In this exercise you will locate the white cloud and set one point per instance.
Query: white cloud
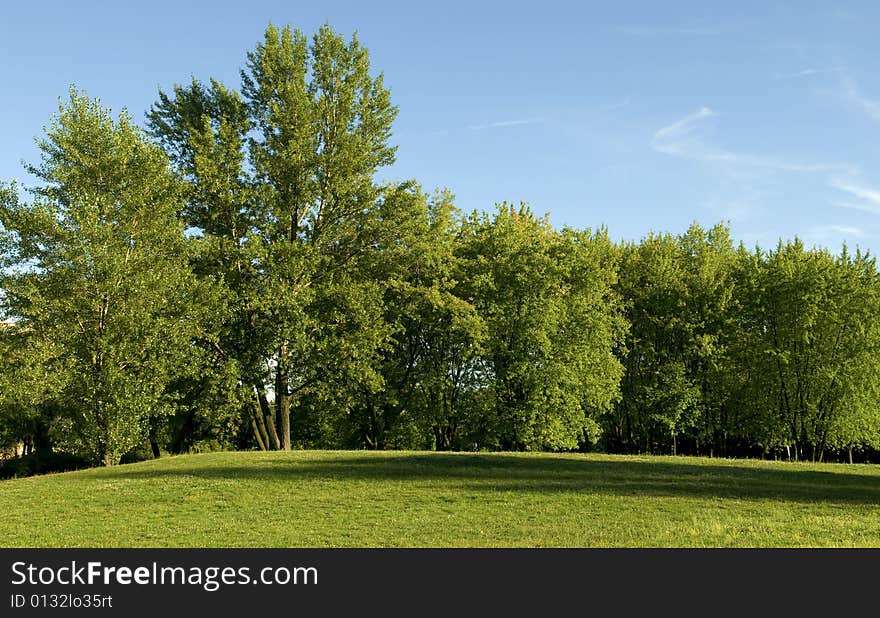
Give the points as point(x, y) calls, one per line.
point(686, 138)
point(669, 139)
point(810, 71)
point(622, 103)
point(505, 123)
point(848, 230)
point(871, 208)
point(853, 95)
point(870, 196)
point(825, 231)
point(859, 190)
point(813, 71)
point(672, 31)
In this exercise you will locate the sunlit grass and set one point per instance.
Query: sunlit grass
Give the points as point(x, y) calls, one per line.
point(394, 499)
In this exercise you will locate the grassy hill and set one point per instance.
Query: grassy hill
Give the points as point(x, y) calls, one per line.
point(331, 498)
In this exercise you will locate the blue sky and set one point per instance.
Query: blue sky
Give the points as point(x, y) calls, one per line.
point(636, 115)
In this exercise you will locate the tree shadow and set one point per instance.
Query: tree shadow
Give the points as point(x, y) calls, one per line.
point(548, 474)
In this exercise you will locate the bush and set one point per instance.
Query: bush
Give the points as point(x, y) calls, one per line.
point(41, 462)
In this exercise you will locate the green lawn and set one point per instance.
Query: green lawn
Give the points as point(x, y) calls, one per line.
point(367, 499)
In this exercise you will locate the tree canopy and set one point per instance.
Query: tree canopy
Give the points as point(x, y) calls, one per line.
point(235, 275)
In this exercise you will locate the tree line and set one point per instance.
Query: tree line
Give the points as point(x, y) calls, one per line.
point(233, 276)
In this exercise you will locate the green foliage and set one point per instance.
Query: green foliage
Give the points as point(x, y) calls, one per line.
point(435, 365)
point(26, 382)
point(732, 351)
point(813, 348)
point(678, 296)
point(549, 310)
point(245, 282)
point(281, 191)
point(41, 462)
point(99, 278)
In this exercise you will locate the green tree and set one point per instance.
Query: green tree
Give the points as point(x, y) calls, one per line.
point(26, 382)
point(204, 129)
point(291, 162)
point(813, 350)
point(431, 369)
point(550, 312)
point(678, 293)
point(99, 277)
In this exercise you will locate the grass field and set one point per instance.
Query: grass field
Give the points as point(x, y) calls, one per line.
point(367, 499)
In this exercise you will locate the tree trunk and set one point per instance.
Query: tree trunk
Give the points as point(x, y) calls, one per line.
point(282, 398)
point(849, 452)
point(154, 439)
point(282, 401)
point(260, 442)
point(154, 446)
point(269, 423)
point(259, 426)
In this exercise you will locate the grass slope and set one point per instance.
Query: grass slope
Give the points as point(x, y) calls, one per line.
point(367, 499)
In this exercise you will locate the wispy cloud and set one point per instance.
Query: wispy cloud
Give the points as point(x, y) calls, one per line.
point(870, 208)
point(847, 229)
point(505, 123)
point(869, 195)
point(675, 139)
point(853, 95)
point(667, 31)
point(810, 71)
point(688, 138)
point(825, 231)
point(611, 106)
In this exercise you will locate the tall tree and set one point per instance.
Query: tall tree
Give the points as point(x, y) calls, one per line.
point(430, 363)
point(550, 313)
point(813, 350)
point(313, 126)
point(99, 274)
point(204, 129)
point(678, 294)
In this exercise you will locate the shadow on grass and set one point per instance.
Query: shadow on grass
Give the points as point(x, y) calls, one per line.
point(499, 473)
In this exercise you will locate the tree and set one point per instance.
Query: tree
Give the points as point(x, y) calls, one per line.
point(813, 349)
point(550, 312)
point(312, 125)
point(25, 384)
point(99, 278)
point(678, 294)
point(431, 367)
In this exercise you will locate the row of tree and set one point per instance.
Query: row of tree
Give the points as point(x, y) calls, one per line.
point(234, 277)
point(738, 352)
